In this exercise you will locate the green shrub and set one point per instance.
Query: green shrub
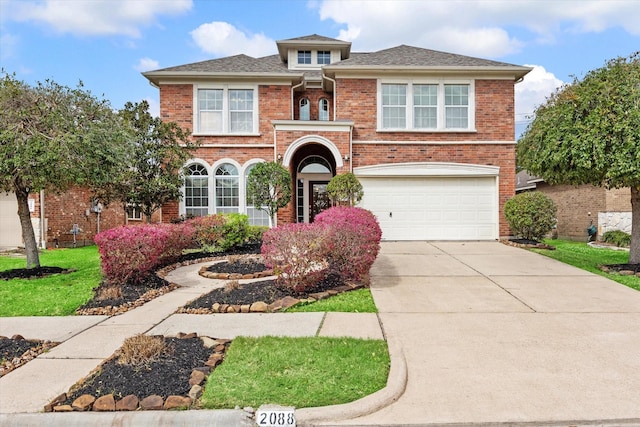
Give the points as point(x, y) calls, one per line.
point(234, 231)
point(531, 215)
point(255, 233)
point(345, 189)
point(617, 237)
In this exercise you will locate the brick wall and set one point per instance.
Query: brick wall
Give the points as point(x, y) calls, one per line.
point(577, 207)
point(618, 200)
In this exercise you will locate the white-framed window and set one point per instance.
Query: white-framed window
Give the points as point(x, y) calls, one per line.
point(256, 215)
point(305, 109)
point(225, 109)
point(323, 109)
point(227, 188)
point(413, 105)
point(304, 57)
point(196, 191)
point(134, 213)
point(324, 57)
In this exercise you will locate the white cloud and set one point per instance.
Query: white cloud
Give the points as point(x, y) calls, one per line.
point(533, 91)
point(478, 28)
point(154, 106)
point(223, 39)
point(146, 64)
point(95, 17)
point(8, 44)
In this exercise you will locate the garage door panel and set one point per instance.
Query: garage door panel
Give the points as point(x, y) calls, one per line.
point(433, 208)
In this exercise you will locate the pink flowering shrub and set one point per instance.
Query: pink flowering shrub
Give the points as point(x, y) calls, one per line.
point(297, 254)
point(131, 253)
point(209, 230)
point(352, 242)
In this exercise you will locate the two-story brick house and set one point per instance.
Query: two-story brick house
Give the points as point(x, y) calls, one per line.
point(430, 135)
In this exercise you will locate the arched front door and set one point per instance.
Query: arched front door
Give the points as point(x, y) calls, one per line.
point(312, 174)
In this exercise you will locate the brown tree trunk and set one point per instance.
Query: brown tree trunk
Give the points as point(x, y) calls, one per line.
point(634, 250)
point(28, 235)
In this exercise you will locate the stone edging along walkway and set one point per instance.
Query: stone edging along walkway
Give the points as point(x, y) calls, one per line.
point(108, 402)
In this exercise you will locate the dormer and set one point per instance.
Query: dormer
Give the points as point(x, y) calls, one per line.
point(312, 52)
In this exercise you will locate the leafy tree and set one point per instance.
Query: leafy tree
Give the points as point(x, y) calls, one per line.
point(53, 137)
point(345, 188)
point(159, 152)
point(588, 132)
point(269, 187)
point(531, 215)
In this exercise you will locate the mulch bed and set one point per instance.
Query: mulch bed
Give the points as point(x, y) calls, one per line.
point(32, 273)
point(622, 269)
point(16, 351)
point(527, 243)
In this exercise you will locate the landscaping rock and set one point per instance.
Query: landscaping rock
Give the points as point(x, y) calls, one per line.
point(195, 392)
point(150, 403)
point(196, 378)
point(63, 408)
point(128, 403)
point(83, 403)
point(626, 273)
point(209, 342)
point(259, 307)
point(175, 402)
point(105, 403)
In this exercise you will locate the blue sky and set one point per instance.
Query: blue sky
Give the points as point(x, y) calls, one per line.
point(108, 43)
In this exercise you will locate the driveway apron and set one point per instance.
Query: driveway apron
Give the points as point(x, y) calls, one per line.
point(497, 334)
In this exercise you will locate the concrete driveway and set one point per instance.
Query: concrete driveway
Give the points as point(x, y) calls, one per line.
point(496, 334)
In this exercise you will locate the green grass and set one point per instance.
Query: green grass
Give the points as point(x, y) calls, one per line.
point(583, 256)
point(57, 295)
point(358, 301)
point(299, 372)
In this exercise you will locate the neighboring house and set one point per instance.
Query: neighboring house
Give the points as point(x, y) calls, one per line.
point(55, 219)
point(430, 135)
point(582, 205)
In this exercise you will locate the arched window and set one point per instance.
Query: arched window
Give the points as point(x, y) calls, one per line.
point(196, 191)
point(227, 188)
point(305, 113)
point(256, 216)
point(314, 164)
point(323, 109)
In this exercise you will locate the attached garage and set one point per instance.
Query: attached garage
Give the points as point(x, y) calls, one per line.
point(10, 230)
point(432, 201)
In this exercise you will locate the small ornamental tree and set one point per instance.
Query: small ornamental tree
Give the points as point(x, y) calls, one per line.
point(588, 132)
point(530, 215)
point(345, 189)
point(269, 188)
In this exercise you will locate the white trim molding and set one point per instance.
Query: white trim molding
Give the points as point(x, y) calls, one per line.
point(312, 139)
point(426, 169)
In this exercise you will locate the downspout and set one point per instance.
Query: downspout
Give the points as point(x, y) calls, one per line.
point(43, 232)
point(335, 88)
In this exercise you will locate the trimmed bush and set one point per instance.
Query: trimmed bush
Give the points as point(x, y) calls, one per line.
point(208, 231)
point(297, 254)
point(531, 215)
point(255, 233)
point(352, 240)
point(345, 189)
point(234, 231)
point(617, 237)
point(129, 254)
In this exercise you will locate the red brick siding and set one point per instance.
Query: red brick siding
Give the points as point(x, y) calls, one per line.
point(314, 96)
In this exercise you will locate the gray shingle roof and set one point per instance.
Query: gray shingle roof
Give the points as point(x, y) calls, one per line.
point(234, 64)
point(313, 37)
point(410, 56)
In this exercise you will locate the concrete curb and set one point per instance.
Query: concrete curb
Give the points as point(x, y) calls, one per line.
point(396, 384)
point(217, 418)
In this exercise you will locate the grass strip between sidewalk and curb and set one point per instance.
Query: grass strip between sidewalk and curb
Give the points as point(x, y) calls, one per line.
point(358, 301)
point(588, 258)
point(299, 372)
point(56, 295)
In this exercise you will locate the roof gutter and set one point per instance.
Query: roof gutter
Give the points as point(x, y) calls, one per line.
point(335, 88)
point(293, 88)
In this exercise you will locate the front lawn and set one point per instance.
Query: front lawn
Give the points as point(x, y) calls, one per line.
point(57, 295)
point(583, 256)
point(299, 372)
point(358, 301)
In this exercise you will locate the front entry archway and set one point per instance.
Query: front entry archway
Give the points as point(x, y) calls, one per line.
point(313, 168)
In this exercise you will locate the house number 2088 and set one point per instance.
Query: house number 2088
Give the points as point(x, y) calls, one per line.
point(276, 418)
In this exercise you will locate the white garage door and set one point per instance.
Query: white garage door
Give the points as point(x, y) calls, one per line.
point(433, 208)
point(10, 231)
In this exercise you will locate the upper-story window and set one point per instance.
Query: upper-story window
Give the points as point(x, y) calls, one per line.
point(324, 57)
point(225, 109)
point(305, 109)
point(304, 57)
point(323, 109)
point(414, 105)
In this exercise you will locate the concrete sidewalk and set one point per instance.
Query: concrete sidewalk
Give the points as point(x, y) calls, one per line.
point(494, 334)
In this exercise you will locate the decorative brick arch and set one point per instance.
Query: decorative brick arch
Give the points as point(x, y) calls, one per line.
point(312, 139)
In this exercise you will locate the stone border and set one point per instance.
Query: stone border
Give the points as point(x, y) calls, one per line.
point(39, 347)
point(527, 246)
point(263, 307)
point(108, 403)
